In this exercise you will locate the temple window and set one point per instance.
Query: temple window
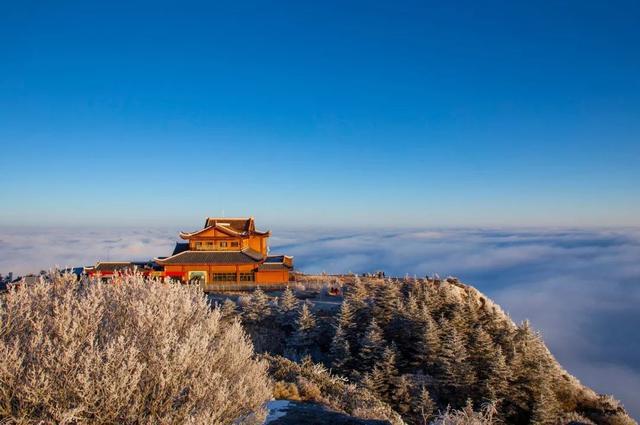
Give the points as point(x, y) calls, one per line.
point(247, 277)
point(224, 277)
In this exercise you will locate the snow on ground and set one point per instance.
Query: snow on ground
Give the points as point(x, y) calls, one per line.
point(277, 409)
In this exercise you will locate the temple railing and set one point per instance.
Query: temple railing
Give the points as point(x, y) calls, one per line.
point(242, 286)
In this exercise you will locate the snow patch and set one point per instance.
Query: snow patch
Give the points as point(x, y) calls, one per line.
point(277, 409)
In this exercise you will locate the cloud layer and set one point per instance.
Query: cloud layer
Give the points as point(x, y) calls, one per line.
point(581, 288)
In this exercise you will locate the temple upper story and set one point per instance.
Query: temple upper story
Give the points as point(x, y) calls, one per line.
point(227, 234)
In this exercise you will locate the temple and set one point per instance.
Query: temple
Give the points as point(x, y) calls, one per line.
point(226, 252)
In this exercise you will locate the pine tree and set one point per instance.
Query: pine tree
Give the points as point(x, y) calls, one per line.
point(371, 346)
point(257, 308)
point(373, 381)
point(427, 343)
point(422, 407)
point(287, 310)
point(455, 373)
point(531, 368)
point(387, 369)
point(545, 408)
point(411, 307)
point(304, 338)
point(402, 400)
point(357, 293)
point(498, 376)
point(229, 309)
point(347, 321)
point(470, 310)
point(359, 298)
point(386, 302)
point(489, 363)
point(288, 301)
point(340, 351)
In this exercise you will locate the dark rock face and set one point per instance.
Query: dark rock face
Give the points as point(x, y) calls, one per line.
point(296, 413)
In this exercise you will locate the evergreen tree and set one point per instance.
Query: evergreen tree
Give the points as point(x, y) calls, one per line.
point(373, 381)
point(347, 321)
point(340, 352)
point(288, 301)
point(371, 346)
point(531, 368)
point(357, 293)
point(545, 408)
point(427, 343)
point(402, 400)
point(359, 299)
point(228, 310)
point(386, 369)
point(423, 407)
point(481, 354)
point(386, 302)
point(411, 307)
point(497, 378)
point(304, 338)
point(470, 310)
point(456, 376)
point(257, 308)
point(288, 310)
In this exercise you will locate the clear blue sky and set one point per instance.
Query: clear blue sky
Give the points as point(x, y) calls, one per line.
point(338, 113)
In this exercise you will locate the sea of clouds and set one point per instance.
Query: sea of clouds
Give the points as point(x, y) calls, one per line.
point(580, 288)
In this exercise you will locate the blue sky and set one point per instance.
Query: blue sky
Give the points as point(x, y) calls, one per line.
point(333, 113)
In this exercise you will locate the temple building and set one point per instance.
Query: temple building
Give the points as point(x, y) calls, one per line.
point(226, 251)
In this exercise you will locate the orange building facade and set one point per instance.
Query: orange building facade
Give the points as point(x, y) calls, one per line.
point(226, 252)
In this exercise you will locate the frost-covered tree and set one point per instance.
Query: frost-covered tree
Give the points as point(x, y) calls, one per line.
point(422, 407)
point(229, 309)
point(347, 322)
point(304, 337)
point(401, 395)
point(386, 302)
point(371, 346)
point(386, 371)
point(426, 345)
point(288, 302)
point(531, 372)
point(340, 352)
point(545, 408)
point(288, 306)
point(257, 308)
point(492, 373)
point(455, 373)
point(134, 351)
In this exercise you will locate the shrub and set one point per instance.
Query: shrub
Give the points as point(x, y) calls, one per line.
point(286, 391)
point(310, 391)
point(132, 351)
point(467, 416)
point(331, 390)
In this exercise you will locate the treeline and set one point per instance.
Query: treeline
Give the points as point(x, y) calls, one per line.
point(425, 346)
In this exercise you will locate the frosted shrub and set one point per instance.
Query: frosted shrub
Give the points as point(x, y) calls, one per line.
point(132, 351)
point(466, 416)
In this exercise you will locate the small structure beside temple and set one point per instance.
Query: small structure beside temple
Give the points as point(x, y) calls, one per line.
point(227, 253)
